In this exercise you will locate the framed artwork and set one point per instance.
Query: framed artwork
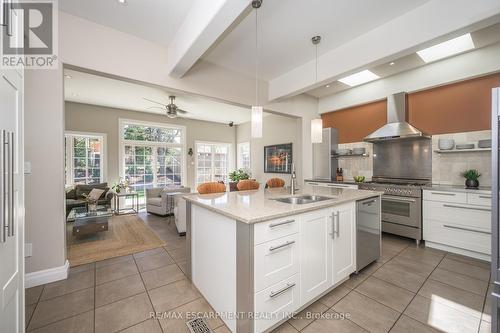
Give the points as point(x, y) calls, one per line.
point(278, 158)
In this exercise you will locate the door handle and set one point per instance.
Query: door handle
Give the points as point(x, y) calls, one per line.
point(2, 187)
point(337, 229)
point(332, 217)
point(11, 184)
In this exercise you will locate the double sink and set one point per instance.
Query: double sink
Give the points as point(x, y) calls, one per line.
point(303, 199)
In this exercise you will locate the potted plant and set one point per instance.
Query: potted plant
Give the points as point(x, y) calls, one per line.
point(237, 175)
point(471, 177)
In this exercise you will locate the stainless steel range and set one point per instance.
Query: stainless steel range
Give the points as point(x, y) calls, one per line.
point(402, 164)
point(401, 205)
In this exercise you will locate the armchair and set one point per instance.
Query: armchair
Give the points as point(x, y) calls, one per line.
point(159, 203)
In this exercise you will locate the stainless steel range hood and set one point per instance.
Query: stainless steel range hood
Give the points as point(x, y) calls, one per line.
point(397, 126)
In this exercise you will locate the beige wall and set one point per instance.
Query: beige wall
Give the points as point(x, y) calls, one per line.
point(275, 130)
point(90, 118)
point(44, 186)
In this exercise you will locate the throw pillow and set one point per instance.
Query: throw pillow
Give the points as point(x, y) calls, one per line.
point(95, 194)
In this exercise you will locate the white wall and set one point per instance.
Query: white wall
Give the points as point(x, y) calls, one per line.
point(100, 119)
point(275, 130)
point(477, 63)
point(44, 187)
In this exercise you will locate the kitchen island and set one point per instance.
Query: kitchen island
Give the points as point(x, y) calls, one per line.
point(260, 256)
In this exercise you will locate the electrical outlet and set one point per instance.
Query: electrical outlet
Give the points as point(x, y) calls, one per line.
point(28, 250)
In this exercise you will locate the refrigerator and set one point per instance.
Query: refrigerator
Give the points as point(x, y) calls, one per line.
point(324, 165)
point(495, 187)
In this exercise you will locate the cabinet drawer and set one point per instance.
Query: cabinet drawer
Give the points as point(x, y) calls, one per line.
point(266, 231)
point(460, 214)
point(479, 199)
point(275, 261)
point(445, 196)
point(276, 303)
point(460, 236)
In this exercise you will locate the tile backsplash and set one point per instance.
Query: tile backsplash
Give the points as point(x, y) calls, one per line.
point(447, 168)
point(357, 165)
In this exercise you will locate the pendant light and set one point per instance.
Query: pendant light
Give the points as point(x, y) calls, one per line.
point(316, 124)
point(256, 109)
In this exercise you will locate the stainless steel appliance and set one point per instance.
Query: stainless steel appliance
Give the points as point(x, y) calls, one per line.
point(324, 166)
point(397, 126)
point(401, 205)
point(495, 209)
point(367, 232)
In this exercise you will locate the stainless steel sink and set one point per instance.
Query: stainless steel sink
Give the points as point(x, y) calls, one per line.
point(304, 199)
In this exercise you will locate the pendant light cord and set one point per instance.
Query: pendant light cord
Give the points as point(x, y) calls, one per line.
point(316, 63)
point(256, 60)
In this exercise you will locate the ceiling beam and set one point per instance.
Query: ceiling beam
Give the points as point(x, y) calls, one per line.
point(206, 22)
point(433, 21)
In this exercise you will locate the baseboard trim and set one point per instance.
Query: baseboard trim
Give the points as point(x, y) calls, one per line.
point(46, 276)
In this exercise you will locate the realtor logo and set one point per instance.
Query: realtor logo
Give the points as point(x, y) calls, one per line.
point(30, 34)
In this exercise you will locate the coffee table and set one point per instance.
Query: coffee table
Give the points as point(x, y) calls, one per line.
point(86, 223)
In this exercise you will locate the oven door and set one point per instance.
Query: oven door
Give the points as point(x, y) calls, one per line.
point(402, 210)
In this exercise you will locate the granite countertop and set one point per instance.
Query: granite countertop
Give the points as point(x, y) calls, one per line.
point(255, 206)
point(350, 182)
point(458, 188)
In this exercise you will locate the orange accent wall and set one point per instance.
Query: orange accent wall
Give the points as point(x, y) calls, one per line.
point(459, 107)
point(355, 123)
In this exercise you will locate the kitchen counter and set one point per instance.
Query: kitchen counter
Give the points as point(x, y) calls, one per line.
point(458, 188)
point(257, 206)
point(350, 182)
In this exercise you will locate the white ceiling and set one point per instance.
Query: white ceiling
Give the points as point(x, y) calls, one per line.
point(286, 28)
point(482, 38)
point(153, 20)
point(98, 90)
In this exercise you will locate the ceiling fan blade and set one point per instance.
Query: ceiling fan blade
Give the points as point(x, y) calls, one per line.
point(150, 100)
point(156, 107)
point(181, 111)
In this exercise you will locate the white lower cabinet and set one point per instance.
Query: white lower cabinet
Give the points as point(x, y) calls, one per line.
point(293, 270)
point(315, 253)
point(458, 222)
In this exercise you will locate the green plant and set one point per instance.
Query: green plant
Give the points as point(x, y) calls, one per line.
point(239, 174)
point(471, 174)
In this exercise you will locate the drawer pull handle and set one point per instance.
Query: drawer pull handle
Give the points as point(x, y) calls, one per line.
point(274, 225)
point(369, 202)
point(441, 193)
point(466, 229)
point(277, 247)
point(471, 208)
point(273, 294)
point(485, 196)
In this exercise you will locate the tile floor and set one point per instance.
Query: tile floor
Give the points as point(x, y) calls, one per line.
point(410, 289)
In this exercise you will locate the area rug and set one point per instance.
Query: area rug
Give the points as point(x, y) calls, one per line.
point(126, 234)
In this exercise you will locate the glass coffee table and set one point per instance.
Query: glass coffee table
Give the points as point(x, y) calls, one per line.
point(86, 223)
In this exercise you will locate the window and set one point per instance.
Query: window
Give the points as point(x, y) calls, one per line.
point(244, 155)
point(152, 155)
point(85, 159)
point(212, 162)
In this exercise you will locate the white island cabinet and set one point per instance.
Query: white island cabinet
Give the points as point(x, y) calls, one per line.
point(458, 220)
point(258, 261)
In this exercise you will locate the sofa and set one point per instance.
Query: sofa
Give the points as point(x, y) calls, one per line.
point(159, 203)
point(75, 196)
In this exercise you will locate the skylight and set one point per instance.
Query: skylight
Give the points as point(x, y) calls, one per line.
point(446, 49)
point(359, 78)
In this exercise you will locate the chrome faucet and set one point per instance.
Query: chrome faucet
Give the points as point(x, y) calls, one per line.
point(293, 181)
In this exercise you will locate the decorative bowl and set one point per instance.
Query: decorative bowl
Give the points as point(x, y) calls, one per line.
point(359, 179)
point(446, 144)
point(465, 146)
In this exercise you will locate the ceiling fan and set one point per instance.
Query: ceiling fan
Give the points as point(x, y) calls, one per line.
point(172, 110)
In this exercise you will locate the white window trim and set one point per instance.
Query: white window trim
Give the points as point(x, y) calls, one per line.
point(238, 156)
point(231, 159)
point(69, 154)
point(121, 144)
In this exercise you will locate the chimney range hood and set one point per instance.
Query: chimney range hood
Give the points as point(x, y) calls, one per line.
point(397, 126)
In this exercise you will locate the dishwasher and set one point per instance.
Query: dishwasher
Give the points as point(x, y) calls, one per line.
point(368, 232)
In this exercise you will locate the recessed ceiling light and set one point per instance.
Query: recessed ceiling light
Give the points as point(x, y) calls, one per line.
point(392, 63)
point(359, 78)
point(67, 76)
point(446, 49)
point(328, 86)
point(122, 2)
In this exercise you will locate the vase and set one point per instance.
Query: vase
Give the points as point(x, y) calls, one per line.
point(233, 186)
point(472, 183)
